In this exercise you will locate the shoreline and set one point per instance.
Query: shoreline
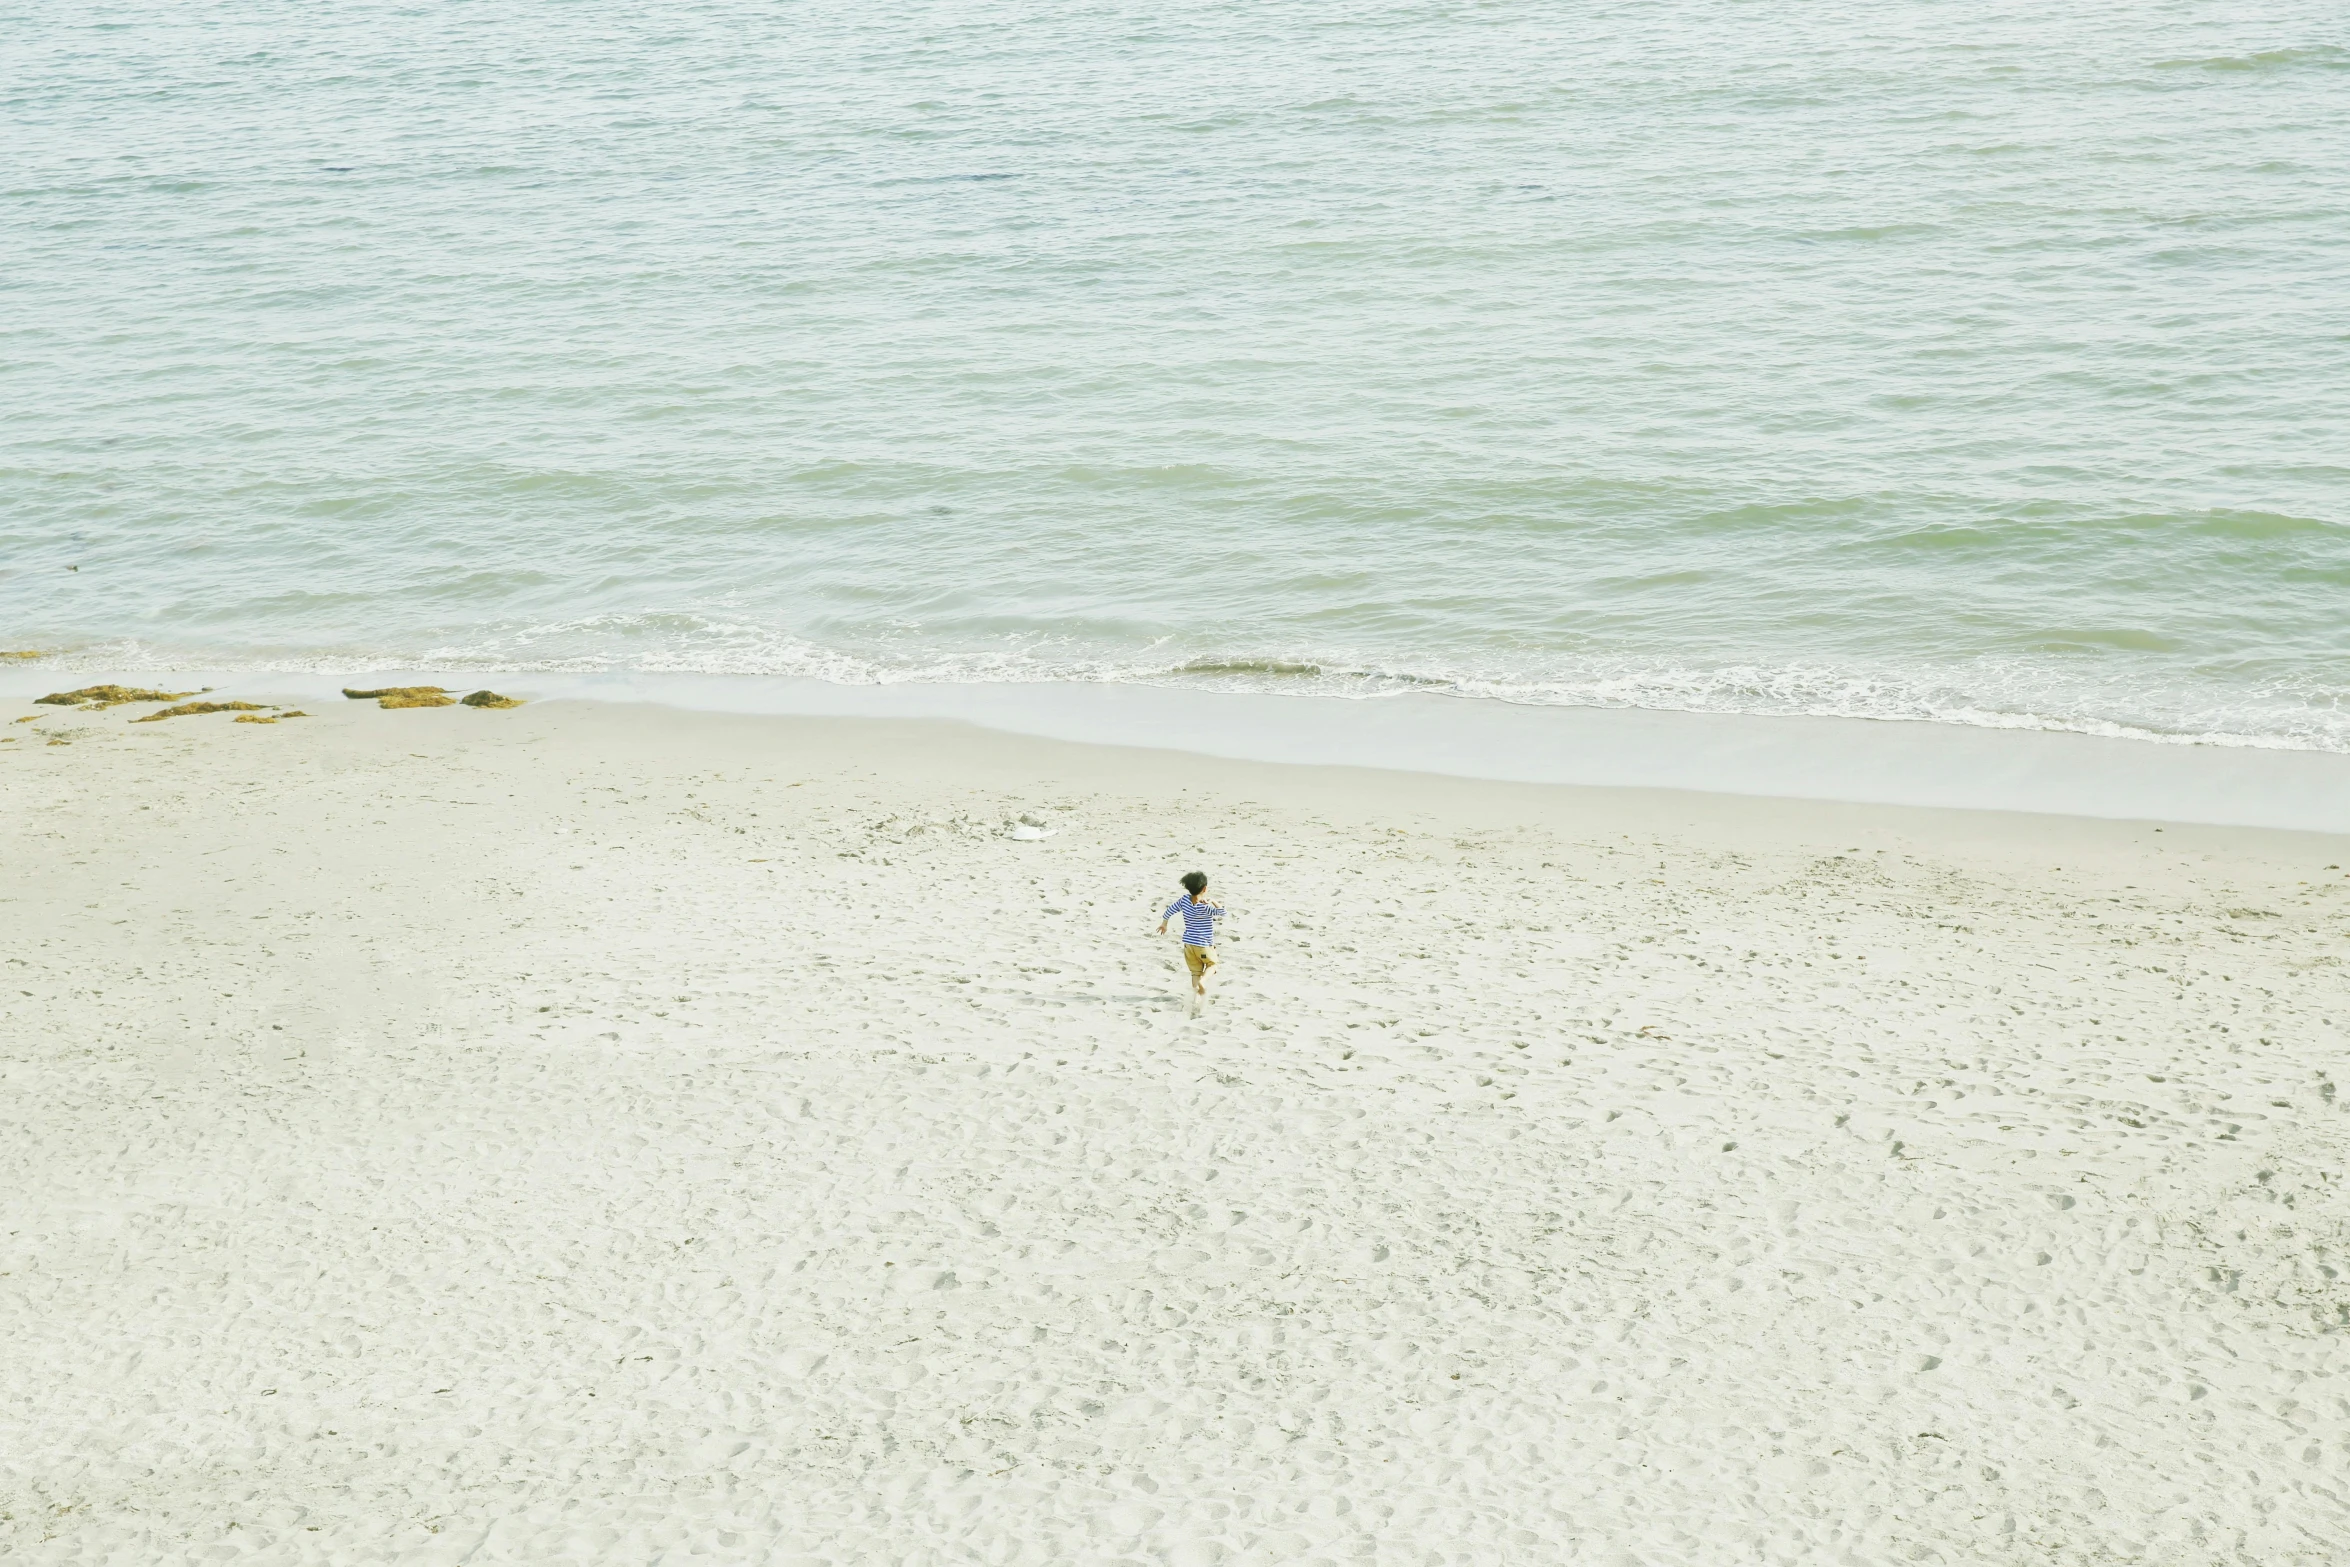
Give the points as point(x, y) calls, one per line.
point(1861, 761)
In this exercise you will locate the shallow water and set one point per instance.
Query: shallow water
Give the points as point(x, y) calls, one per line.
point(1979, 364)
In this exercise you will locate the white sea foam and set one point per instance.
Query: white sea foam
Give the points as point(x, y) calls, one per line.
point(2016, 696)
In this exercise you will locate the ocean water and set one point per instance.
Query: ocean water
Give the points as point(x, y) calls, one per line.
point(1978, 364)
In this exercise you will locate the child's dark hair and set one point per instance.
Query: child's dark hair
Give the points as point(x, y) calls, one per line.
point(1195, 882)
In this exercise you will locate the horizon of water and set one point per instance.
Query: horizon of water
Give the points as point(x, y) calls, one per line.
point(1975, 367)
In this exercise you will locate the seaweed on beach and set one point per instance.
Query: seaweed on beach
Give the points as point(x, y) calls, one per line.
point(492, 699)
point(404, 696)
point(255, 718)
point(187, 709)
point(97, 699)
point(22, 653)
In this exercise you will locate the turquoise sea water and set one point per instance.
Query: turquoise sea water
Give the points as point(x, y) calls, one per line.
point(1988, 364)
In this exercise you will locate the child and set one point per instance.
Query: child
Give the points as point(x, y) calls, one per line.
point(1199, 930)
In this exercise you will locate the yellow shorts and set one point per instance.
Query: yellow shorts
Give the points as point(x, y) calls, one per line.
point(1198, 959)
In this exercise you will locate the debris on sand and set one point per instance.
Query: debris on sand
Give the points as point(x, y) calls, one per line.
point(492, 699)
point(185, 709)
point(26, 653)
point(293, 712)
point(28, 718)
point(254, 718)
point(404, 696)
point(100, 698)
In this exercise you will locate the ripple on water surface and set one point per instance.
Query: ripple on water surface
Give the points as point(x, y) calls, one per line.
point(1971, 368)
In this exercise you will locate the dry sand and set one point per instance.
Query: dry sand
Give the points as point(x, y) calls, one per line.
point(604, 1135)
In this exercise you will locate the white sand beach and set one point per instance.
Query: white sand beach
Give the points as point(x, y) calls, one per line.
point(613, 1135)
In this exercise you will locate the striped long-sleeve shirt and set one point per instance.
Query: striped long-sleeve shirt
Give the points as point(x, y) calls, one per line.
point(1199, 920)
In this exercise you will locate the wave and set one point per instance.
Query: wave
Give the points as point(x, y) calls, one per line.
point(2318, 56)
point(2048, 695)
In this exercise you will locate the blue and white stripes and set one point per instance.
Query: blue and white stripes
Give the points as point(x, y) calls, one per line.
point(1199, 920)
